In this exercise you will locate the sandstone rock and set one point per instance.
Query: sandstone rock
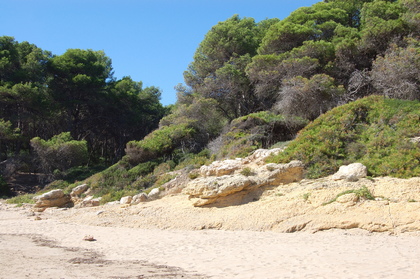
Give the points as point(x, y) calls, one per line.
point(126, 200)
point(351, 172)
point(142, 197)
point(54, 198)
point(89, 201)
point(154, 194)
point(207, 190)
point(274, 174)
point(348, 198)
point(258, 156)
point(78, 190)
point(219, 168)
point(212, 187)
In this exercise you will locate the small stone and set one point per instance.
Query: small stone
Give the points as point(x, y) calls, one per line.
point(89, 238)
point(348, 198)
point(100, 212)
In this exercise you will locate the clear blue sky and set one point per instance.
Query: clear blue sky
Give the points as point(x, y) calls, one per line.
point(152, 41)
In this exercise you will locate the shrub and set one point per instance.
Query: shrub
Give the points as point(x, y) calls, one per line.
point(374, 131)
point(60, 153)
point(159, 143)
point(247, 172)
point(21, 199)
point(361, 193)
point(256, 130)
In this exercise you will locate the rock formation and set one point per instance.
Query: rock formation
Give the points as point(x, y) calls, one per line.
point(224, 178)
point(54, 198)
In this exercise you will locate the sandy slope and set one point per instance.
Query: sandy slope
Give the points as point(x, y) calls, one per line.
point(169, 238)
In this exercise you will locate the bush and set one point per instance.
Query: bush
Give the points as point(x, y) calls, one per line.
point(59, 153)
point(158, 143)
point(253, 131)
point(21, 199)
point(374, 131)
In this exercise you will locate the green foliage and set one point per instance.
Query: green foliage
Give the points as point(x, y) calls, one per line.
point(374, 131)
point(253, 131)
point(247, 172)
point(60, 153)
point(159, 143)
point(361, 193)
point(21, 199)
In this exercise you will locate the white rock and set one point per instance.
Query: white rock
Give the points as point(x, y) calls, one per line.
point(351, 172)
point(126, 200)
point(79, 190)
point(154, 194)
point(219, 168)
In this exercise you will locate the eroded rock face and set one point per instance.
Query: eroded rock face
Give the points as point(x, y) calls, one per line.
point(352, 172)
point(54, 198)
point(206, 190)
point(219, 168)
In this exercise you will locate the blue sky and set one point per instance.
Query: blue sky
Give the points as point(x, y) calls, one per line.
point(152, 41)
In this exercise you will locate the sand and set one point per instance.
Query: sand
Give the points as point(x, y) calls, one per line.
point(54, 247)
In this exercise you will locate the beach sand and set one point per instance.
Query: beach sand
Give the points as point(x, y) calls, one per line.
point(54, 248)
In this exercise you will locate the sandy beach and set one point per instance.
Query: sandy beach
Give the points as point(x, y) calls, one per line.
point(54, 248)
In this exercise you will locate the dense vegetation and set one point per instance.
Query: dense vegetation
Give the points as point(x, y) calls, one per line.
point(250, 85)
point(375, 131)
point(43, 96)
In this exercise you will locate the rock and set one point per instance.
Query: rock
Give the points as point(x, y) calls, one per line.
point(415, 140)
point(348, 198)
point(78, 190)
point(212, 187)
point(100, 212)
point(274, 174)
point(258, 156)
point(154, 194)
point(219, 168)
point(126, 200)
point(89, 202)
point(54, 198)
point(351, 172)
point(207, 190)
point(142, 197)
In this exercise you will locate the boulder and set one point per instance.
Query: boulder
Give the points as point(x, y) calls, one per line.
point(142, 197)
point(154, 194)
point(54, 198)
point(78, 190)
point(126, 200)
point(89, 202)
point(352, 172)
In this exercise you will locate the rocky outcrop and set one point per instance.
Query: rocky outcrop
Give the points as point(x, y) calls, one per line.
point(54, 198)
point(242, 177)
